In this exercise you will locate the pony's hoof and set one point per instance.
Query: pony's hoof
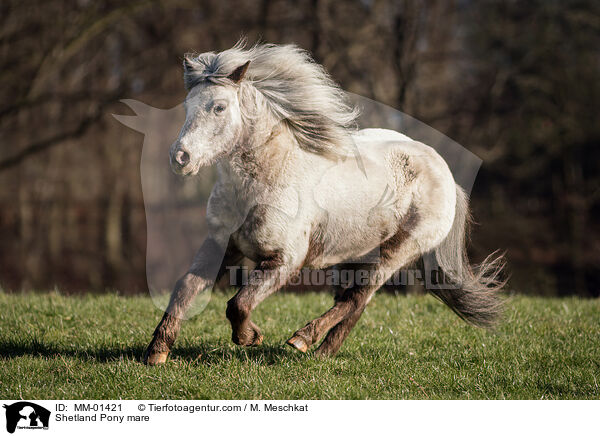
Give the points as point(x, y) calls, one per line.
point(298, 343)
point(258, 339)
point(156, 358)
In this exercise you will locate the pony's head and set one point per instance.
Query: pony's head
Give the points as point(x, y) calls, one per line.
point(213, 119)
point(225, 106)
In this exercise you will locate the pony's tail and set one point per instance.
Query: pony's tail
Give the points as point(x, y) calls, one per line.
point(473, 290)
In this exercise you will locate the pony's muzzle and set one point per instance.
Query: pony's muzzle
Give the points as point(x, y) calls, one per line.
point(180, 159)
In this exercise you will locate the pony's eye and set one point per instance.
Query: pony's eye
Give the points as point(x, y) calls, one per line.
point(219, 108)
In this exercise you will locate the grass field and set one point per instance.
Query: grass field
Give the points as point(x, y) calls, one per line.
point(404, 347)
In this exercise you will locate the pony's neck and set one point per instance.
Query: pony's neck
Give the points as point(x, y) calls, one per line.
point(264, 158)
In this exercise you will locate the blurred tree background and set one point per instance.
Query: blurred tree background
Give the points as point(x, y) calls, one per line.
point(515, 82)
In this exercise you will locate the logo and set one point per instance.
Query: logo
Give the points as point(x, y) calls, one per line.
point(26, 415)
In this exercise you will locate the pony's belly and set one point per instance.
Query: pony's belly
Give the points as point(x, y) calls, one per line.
point(362, 246)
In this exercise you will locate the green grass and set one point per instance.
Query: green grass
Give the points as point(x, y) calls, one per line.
point(57, 347)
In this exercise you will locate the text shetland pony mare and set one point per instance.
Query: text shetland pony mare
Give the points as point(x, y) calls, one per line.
point(298, 187)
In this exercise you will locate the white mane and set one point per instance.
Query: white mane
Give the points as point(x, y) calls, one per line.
point(293, 87)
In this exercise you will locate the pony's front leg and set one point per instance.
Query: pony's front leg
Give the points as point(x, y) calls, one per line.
point(267, 278)
point(210, 261)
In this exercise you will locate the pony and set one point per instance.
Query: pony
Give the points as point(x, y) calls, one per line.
point(299, 186)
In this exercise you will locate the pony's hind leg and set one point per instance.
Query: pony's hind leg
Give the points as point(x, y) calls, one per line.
point(338, 334)
point(341, 318)
point(348, 305)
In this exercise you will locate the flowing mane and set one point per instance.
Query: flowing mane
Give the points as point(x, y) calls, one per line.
point(294, 88)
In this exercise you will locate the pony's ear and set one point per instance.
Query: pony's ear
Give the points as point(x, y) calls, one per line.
point(187, 63)
point(238, 73)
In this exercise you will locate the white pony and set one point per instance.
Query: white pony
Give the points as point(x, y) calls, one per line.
point(298, 187)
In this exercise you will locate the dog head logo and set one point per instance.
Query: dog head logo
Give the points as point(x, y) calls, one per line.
point(26, 415)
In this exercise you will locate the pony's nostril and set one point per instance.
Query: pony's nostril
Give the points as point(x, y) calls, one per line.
point(182, 158)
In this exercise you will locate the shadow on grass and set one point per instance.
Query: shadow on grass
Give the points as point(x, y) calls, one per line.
point(203, 353)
